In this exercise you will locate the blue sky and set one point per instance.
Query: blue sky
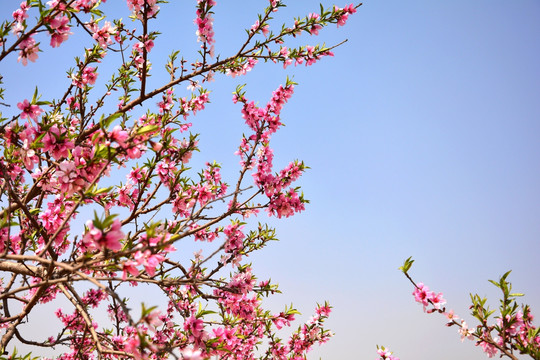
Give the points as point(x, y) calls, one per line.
point(422, 138)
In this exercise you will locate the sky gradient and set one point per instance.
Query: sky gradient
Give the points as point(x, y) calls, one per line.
point(422, 139)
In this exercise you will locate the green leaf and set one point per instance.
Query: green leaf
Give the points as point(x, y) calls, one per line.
point(147, 129)
point(35, 96)
point(106, 122)
point(146, 311)
point(204, 312)
point(406, 265)
point(93, 191)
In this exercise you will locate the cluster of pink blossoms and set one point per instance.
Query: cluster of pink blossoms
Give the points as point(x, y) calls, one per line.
point(29, 50)
point(265, 29)
point(19, 16)
point(310, 333)
point(147, 259)
point(385, 354)
point(77, 5)
point(205, 25)
point(424, 296)
point(104, 35)
point(313, 18)
point(242, 69)
point(139, 6)
point(53, 221)
point(87, 77)
point(308, 56)
point(283, 201)
point(138, 55)
point(347, 10)
point(60, 30)
point(57, 142)
point(102, 239)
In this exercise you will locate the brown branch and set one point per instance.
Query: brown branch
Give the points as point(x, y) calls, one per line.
point(75, 299)
point(21, 269)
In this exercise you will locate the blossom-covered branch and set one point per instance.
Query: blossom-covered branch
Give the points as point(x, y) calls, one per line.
point(511, 334)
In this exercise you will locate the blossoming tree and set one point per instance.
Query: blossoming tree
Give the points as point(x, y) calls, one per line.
point(62, 158)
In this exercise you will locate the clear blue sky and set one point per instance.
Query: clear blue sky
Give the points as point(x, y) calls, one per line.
point(422, 138)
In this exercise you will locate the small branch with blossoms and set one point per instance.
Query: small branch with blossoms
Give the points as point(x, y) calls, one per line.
point(512, 334)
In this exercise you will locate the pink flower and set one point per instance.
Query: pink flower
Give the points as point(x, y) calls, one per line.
point(28, 51)
point(386, 354)
point(129, 266)
point(154, 319)
point(132, 346)
point(195, 326)
point(465, 332)
point(149, 261)
point(489, 349)
point(204, 22)
point(165, 170)
point(191, 354)
point(28, 110)
point(437, 300)
point(57, 143)
point(282, 319)
point(113, 236)
point(20, 15)
point(89, 75)
point(137, 6)
point(119, 135)
point(315, 27)
point(68, 177)
point(257, 26)
point(451, 317)
point(323, 310)
point(343, 17)
point(285, 205)
point(17, 29)
point(60, 30)
point(148, 45)
point(94, 238)
point(28, 155)
point(103, 35)
point(422, 294)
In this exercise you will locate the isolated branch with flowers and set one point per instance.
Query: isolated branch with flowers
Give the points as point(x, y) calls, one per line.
point(59, 157)
point(512, 334)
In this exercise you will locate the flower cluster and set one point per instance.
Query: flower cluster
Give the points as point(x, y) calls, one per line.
point(345, 12)
point(28, 50)
point(424, 296)
point(142, 8)
point(104, 35)
point(242, 68)
point(284, 201)
point(205, 25)
point(96, 238)
point(59, 30)
point(31, 111)
point(385, 354)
